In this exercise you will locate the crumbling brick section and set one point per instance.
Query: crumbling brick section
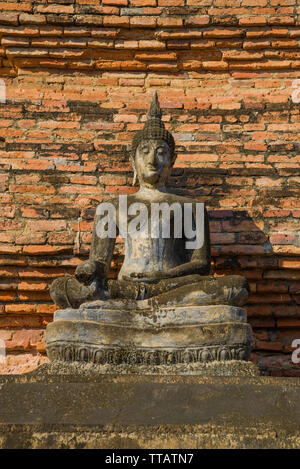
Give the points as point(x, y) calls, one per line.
point(78, 77)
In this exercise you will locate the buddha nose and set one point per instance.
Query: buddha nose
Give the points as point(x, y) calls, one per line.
point(152, 157)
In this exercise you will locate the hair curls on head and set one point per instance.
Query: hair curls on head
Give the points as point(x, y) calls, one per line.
point(154, 128)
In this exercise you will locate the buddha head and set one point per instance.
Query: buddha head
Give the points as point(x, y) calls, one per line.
point(153, 148)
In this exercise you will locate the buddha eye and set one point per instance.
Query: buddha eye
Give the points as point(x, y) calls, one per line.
point(160, 151)
point(145, 149)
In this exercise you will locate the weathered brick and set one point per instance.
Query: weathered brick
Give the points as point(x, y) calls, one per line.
point(47, 225)
point(169, 22)
point(253, 21)
point(115, 21)
point(26, 18)
point(223, 33)
point(143, 22)
point(10, 18)
point(115, 2)
point(57, 9)
point(156, 56)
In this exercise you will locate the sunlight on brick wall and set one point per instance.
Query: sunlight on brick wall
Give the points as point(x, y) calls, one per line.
point(79, 75)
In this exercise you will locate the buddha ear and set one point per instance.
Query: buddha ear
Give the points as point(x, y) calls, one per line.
point(174, 156)
point(135, 180)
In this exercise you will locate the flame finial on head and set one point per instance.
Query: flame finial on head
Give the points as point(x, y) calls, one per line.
point(154, 111)
point(154, 127)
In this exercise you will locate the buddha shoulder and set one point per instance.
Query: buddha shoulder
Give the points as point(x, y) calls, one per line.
point(163, 197)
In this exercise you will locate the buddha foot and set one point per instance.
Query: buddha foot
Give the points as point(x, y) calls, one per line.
point(105, 333)
point(69, 292)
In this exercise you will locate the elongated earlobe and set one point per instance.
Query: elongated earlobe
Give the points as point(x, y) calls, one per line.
point(135, 179)
point(170, 173)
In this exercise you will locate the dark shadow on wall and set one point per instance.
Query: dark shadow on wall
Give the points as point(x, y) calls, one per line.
point(240, 244)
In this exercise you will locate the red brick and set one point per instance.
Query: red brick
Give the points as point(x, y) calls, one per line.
point(115, 2)
point(47, 225)
point(143, 22)
point(253, 21)
point(58, 9)
point(20, 308)
point(143, 3)
point(122, 21)
point(197, 21)
point(132, 65)
point(156, 56)
point(112, 180)
point(151, 44)
point(10, 18)
point(46, 309)
point(46, 250)
point(26, 18)
point(13, 6)
point(223, 33)
point(51, 31)
point(270, 346)
point(282, 238)
point(169, 22)
point(289, 264)
point(293, 323)
point(170, 3)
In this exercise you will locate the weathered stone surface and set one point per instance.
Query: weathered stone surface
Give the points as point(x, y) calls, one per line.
point(82, 409)
point(120, 313)
point(100, 342)
point(213, 368)
point(167, 336)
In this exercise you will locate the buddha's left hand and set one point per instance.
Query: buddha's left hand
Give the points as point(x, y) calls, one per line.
point(150, 276)
point(190, 268)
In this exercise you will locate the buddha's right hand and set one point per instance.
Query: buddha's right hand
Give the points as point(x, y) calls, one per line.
point(86, 272)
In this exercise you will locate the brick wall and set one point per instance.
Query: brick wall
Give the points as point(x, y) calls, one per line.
point(79, 75)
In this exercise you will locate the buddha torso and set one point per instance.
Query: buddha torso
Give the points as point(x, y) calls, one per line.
point(145, 253)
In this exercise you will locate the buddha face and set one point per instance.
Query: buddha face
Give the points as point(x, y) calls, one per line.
point(153, 162)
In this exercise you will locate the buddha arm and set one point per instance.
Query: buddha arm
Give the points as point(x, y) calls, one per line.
point(200, 260)
point(101, 251)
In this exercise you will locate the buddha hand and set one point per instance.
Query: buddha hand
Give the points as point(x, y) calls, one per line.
point(86, 272)
point(150, 277)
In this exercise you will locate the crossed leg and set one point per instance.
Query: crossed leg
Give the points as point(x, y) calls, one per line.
point(192, 289)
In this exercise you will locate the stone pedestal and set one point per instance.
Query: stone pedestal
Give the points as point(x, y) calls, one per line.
point(73, 406)
point(167, 337)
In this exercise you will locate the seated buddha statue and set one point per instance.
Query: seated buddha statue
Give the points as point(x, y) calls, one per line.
point(159, 273)
point(161, 270)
